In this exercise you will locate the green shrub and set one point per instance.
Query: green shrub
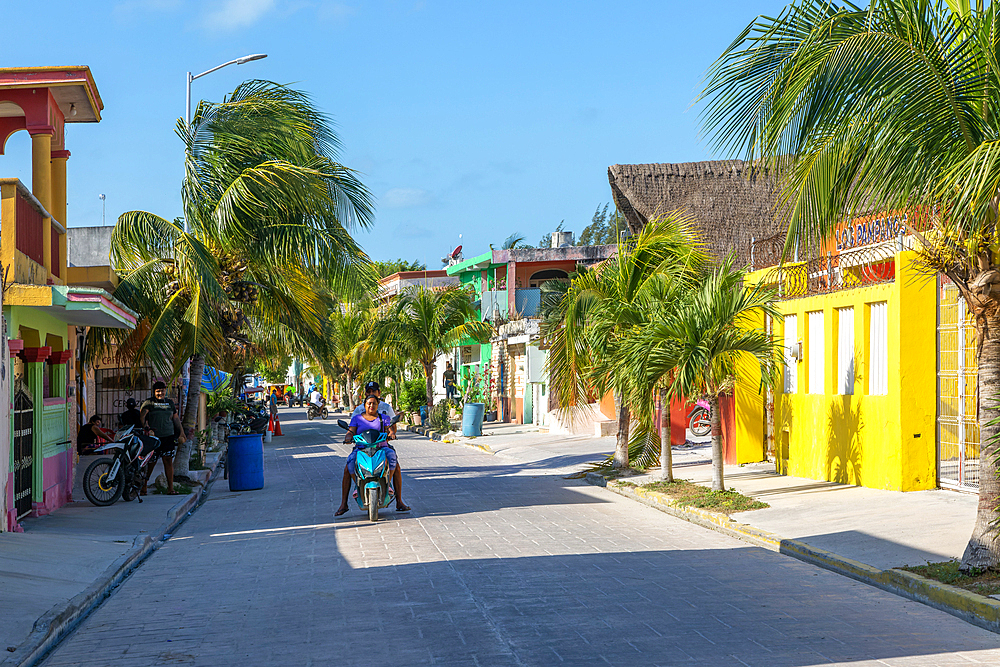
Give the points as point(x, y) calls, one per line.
point(414, 395)
point(439, 420)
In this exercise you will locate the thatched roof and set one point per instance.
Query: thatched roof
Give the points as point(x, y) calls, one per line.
point(730, 204)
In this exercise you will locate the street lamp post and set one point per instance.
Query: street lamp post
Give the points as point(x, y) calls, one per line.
point(190, 78)
point(101, 197)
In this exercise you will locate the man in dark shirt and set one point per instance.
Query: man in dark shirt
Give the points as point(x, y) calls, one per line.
point(131, 416)
point(159, 414)
point(449, 381)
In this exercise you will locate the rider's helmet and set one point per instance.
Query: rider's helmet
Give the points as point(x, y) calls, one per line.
point(130, 404)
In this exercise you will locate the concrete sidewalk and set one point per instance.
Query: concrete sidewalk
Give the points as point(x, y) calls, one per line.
point(884, 529)
point(66, 559)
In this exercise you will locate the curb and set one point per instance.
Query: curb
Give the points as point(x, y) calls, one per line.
point(976, 609)
point(435, 435)
point(54, 625)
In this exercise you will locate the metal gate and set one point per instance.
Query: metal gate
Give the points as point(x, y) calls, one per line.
point(114, 386)
point(957, 414)
point(23, 446)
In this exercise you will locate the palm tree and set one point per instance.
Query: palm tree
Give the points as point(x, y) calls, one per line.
point(422, 324)
point(604, 305)
point(888, 108)
point(346, 351)
point(693, 345)
point(513, 241)
point(267, 212)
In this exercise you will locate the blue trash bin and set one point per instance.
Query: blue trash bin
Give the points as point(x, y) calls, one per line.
point(423, 415)
point(245, 462)
point(472, 419)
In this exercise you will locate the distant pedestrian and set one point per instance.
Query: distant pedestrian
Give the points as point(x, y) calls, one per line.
point(449, 375)
point(272, 402)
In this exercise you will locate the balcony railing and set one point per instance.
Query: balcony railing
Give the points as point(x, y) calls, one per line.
point(29, 229)
point(870, 265)
point(54, 252)
point(493, 305)
point(527, 301)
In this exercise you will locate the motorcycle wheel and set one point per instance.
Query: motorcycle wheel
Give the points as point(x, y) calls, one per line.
point(373, 504)
point(309, 415)
point(325, 413)
point(96, 486)
point(701, 424)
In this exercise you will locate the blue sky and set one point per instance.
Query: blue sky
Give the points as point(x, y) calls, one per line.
point(471, 118)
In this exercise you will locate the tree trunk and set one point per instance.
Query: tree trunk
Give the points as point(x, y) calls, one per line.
point(349, 387)
point(718, 482)
point(666, 454)
point(429, 377)
point(621, 447)
point(236, 382)
point(183, 457)
point(983, 550)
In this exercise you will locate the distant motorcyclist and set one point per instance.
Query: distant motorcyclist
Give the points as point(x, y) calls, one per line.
point(370, 420)
point(316, 398)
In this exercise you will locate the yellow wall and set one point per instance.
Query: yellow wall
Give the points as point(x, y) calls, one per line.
point(882, 442)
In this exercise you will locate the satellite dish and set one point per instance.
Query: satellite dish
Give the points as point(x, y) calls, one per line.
point(456, 252)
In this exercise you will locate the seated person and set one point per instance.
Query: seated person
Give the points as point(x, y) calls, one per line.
point(370, 420)
point(92, 435)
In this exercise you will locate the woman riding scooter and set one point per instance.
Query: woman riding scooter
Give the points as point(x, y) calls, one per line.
point(370, 420)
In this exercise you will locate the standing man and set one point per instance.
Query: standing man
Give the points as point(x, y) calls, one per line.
point(159, 415)
point(372, 389)
point(272, 403)
point(450, 389)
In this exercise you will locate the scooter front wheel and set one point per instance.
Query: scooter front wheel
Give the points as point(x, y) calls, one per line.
point(325, 413)
point(701, 424)
point(373, 504)
point(98, 487)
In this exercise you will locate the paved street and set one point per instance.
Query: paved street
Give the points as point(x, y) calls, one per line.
point(498, 564)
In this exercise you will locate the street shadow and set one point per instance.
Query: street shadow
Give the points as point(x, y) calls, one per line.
point(874, 550)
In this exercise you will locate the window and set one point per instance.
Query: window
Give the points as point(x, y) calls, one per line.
point(791, 368)
point(878, 344)
point(816, 354)
point(845, 351)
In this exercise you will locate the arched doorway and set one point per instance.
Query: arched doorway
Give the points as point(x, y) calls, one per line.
point(539, 277)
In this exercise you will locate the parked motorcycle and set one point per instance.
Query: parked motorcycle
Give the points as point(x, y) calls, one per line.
point(252, 420)
point(314, 411)
point(700, 419)
point(372, 476)
point(124, 473)
point(291, 399)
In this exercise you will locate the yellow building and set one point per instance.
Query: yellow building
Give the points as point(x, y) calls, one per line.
point(857, 402)
point(40, 308)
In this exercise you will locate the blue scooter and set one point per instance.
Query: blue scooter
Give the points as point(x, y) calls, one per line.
point(372, 475)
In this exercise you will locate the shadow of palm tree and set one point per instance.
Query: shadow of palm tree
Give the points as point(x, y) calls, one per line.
point(844, 455)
